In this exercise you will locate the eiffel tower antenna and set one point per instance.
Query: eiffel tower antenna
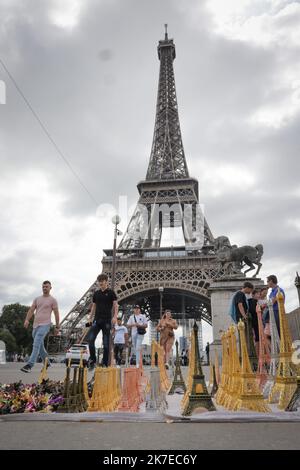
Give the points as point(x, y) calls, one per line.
point(167, 159)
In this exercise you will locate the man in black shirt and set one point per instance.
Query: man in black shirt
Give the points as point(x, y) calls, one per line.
point(254, 320)
point(240, 301)
point(104, 301)
point(242, 313)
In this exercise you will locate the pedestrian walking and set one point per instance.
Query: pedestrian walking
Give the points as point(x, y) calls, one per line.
point(103, 313)
point(166, 327)
point(138, 324)
point(42, 308)
point(207, 352)
point(120, 340)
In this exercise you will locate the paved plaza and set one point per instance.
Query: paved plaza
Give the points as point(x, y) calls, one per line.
point(20, 432)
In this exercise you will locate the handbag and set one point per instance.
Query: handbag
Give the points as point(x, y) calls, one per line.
point(140, 331)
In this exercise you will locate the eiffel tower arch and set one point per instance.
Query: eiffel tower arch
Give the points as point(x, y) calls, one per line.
point(168, 204)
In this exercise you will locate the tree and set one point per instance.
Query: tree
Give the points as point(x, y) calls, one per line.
point(12, 320)
point(9, 340)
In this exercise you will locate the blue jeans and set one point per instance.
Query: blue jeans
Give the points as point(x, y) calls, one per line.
point(137, 341)
point(105, 326)
point(38, 348)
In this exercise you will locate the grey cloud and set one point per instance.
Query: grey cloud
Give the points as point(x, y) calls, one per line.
point(16, 277)
point(95, 89)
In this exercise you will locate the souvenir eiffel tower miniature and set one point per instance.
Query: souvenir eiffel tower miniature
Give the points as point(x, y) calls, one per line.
point(178, 381)
point(286, 378)
point(294, 404)
point(215, 385)
point(83, 405)
point(71, 402)
point(250, 344)
point(275, 347)
point(229, 380)
point(156, 348)
point(217, 368)
point(43, 374)
point(249, 396)
point(197, 395)
point(74, 399)
point(155, 396)
point(235, 371)
point(65, 407)
point(190, 371)
point(264, 352)
point(221, 393)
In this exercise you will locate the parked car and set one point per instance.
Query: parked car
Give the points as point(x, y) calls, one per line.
point(74, 353)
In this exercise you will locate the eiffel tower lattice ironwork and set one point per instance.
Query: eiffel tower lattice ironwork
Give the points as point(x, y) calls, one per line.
point(168, 204)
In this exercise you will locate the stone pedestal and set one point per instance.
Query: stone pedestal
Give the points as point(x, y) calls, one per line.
point(222, 291)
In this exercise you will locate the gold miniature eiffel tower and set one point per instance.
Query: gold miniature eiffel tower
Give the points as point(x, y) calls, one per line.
point(190, 371)
point(286, 378)
point(222, 393)
point(197, 395)
point(229, 383)
point(235, 371)
point(164, 379)
point(43, 374)
point(217, 368)
point(178, 381)
point(221, 389)
point(83, 403)
point(214, 385)
point(264, 356)
point(250, 344)
point(249, 396)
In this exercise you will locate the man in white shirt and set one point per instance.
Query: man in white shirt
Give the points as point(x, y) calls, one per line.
point(138, 324)
point(120, 340)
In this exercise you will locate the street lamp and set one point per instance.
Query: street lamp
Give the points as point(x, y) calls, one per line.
point(115, 220)
point(161, 290)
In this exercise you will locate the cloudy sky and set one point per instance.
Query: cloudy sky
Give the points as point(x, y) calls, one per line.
point(89, 70)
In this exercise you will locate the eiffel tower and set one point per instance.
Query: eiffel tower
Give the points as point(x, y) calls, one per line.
point(168, 204)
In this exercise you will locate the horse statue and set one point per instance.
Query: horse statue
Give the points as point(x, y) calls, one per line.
point(235, 258)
